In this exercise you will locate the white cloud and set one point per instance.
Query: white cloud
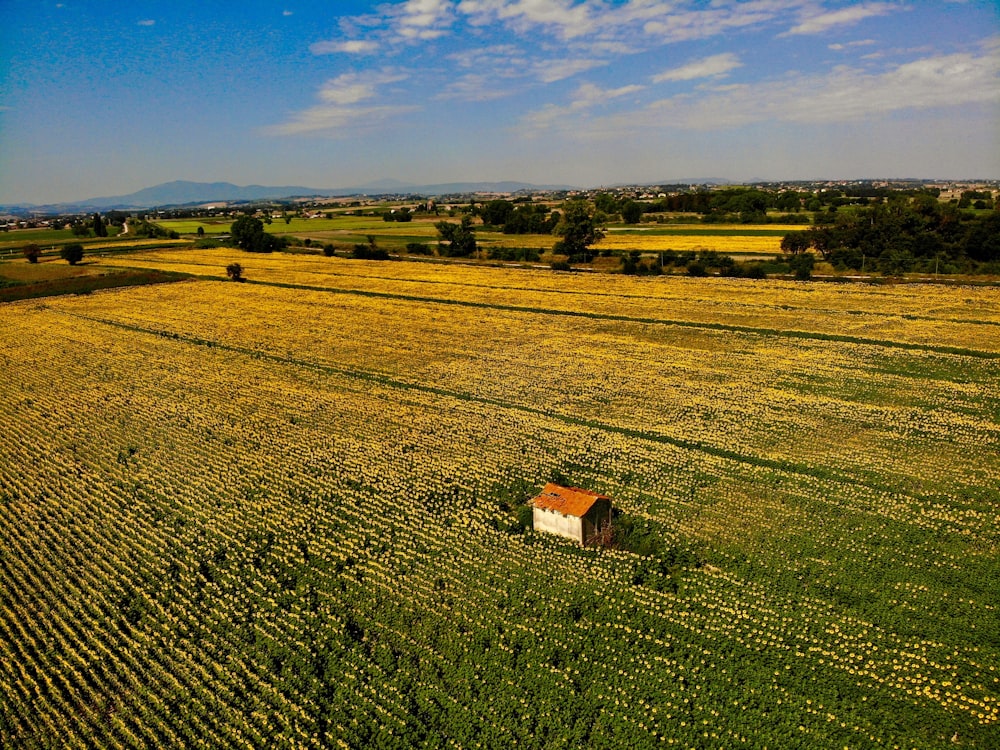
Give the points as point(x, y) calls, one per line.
point(473, 87)
point(341, 105)
point(592, 28)
point(494, 56)
point(821, 22)
point(350, 47)
point(422, 19)
point(585, 98)
point(669, 20)
point(335, 120)
point(147, 22)
point(851, 45)
point(677, 22)
point(590, 95)
point(566, 18)
point(708, 67)
point(287, 13)
point(407, 22)
point(844, 94)
point(550, 71)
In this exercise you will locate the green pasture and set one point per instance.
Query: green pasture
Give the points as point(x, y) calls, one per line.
point(22, 272)
point(190, 226)
point(41, 237)
point(51, 241)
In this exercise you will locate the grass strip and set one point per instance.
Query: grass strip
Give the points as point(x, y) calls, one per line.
point(88, 284)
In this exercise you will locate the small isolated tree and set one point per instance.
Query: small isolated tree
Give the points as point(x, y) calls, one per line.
point(201, 231)
point(235, 271)
point(72, 254)
point(578, 231)
point(632, 212)
point(99, 229)
point(31, 252)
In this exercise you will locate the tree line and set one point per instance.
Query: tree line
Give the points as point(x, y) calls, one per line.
point(921, 234)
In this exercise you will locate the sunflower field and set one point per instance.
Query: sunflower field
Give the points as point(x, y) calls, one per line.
point(285, 512)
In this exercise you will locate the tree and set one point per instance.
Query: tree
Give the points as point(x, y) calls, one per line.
point(246, 232)
point(696, 268)
point(982, 239)
point(578, 232)
point(531, 219)
point(461, 238)
point(401, 214)
point(201, 231)
point(606, 203)
point(632, 212)
point(371, 251)
point(802, 265)
point(235, 271)
point(73, 254)
point(789, 200)
point(496, 212)
point(794, 243)
point(268, 243)
point(249, 235)
point(99, 229)
point(31, 252)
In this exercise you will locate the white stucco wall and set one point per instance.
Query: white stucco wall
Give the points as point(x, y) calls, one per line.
point(556, 523)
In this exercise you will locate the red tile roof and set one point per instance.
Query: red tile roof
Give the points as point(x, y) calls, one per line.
point(570, 501)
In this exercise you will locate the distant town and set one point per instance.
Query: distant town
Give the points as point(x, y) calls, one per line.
point(965, 193)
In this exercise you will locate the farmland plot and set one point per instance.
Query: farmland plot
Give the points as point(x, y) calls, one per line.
point(283, 512)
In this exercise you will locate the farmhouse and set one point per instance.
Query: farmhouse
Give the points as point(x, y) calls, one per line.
point(570, 511)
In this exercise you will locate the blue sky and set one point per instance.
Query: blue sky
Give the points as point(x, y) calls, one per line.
point(102, 98)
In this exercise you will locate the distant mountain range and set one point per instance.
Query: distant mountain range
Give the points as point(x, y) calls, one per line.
point(183, 192)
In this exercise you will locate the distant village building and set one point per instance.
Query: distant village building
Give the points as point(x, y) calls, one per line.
point(570, 512)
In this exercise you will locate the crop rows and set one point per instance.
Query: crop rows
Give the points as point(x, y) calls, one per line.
point(684, 242)
point(250, 515)
point(915, 316)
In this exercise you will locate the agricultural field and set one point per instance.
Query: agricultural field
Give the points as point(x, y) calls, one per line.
point(51, 240)
point(737, 240)
point(20, 279)
point(286, 512)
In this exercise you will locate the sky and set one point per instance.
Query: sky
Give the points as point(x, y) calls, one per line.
point(105, 98)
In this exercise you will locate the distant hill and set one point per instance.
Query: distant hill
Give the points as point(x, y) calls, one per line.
point(180, 192)
point(183, 192)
